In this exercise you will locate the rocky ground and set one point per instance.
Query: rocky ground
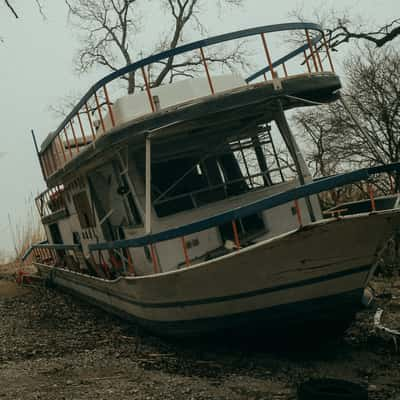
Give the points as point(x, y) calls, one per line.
point(53, 346)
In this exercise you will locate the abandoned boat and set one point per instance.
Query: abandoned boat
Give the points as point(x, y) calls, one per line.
point(175, 207)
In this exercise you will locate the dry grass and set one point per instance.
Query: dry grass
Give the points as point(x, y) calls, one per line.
point(24, 232)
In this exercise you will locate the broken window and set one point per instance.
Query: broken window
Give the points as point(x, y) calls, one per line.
point(83, 209)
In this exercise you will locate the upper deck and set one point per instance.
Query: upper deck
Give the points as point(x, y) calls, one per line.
point(188, 110)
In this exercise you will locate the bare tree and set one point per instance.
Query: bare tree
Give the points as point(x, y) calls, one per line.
point(342, 28)
point(109, 28)
point(372, 93)
point(14, 12)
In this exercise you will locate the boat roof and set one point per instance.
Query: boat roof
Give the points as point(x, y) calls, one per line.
point(190, 120)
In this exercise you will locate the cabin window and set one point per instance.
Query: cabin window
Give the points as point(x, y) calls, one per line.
point(84, 211)
point(235, 168)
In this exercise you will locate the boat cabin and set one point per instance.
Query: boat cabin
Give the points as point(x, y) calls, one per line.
point(147, 164)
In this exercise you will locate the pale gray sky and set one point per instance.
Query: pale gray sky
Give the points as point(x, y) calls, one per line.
point(36, 71)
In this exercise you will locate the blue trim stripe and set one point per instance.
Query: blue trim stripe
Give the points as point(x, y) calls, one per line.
point(254, 293)
point(260, 205)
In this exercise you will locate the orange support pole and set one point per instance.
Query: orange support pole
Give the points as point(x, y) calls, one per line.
point(285, 70)
point(271, 68)
point(187, 259)
point(311, 50)
point(99, 112)
point(307, 62)
point(235, 234)
point(54, 148)
point(321, 67)
point(90, 122)
point(68, 144)
point(110, 110)
point(298, 212)
point(391, 184)
point(62, 148)
point(148, 90)
point(371, 196)
point(74, 135)
point(53, 158)
point(328, 53)
point(154, 258)
point(130, 263)
point(203, 59)
point(81, 128)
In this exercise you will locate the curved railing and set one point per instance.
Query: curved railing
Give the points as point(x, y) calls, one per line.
point(57, 151)
point(292, 195)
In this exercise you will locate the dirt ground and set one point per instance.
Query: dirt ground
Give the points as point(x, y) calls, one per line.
point(53, 346)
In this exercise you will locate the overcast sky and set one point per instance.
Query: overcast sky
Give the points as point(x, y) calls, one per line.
point(36, 70)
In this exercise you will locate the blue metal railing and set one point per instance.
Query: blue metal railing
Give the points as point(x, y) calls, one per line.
point(260, 205)
point(51, 160)
point(306, 190)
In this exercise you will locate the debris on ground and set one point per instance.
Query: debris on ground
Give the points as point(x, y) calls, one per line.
point(53, 346)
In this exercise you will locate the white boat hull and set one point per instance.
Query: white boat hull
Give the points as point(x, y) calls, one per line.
point(316, 273)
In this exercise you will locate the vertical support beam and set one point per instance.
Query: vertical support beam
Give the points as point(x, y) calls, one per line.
point(90, 122)
point(61, 144)
point(99, 112)
point(110, 110)
point(311, 50)
point(185, 253)
point(328, 53)
point(148, 90)
point(235, 235)
point(301, 166)
point(54, 147)
point(148, 187)
point(307, 62)
point(285, 70)
point(154, 258)
point(53, 159)
point(47, 158)
point(38, 154)
point(74, 135)
point(68, 144)
point(271, 68)
point(371, 196)
point(321, 67)
point(298, 212)
point(81, 128)
point(131, 267)
point(203, 59)
point(45, 167)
